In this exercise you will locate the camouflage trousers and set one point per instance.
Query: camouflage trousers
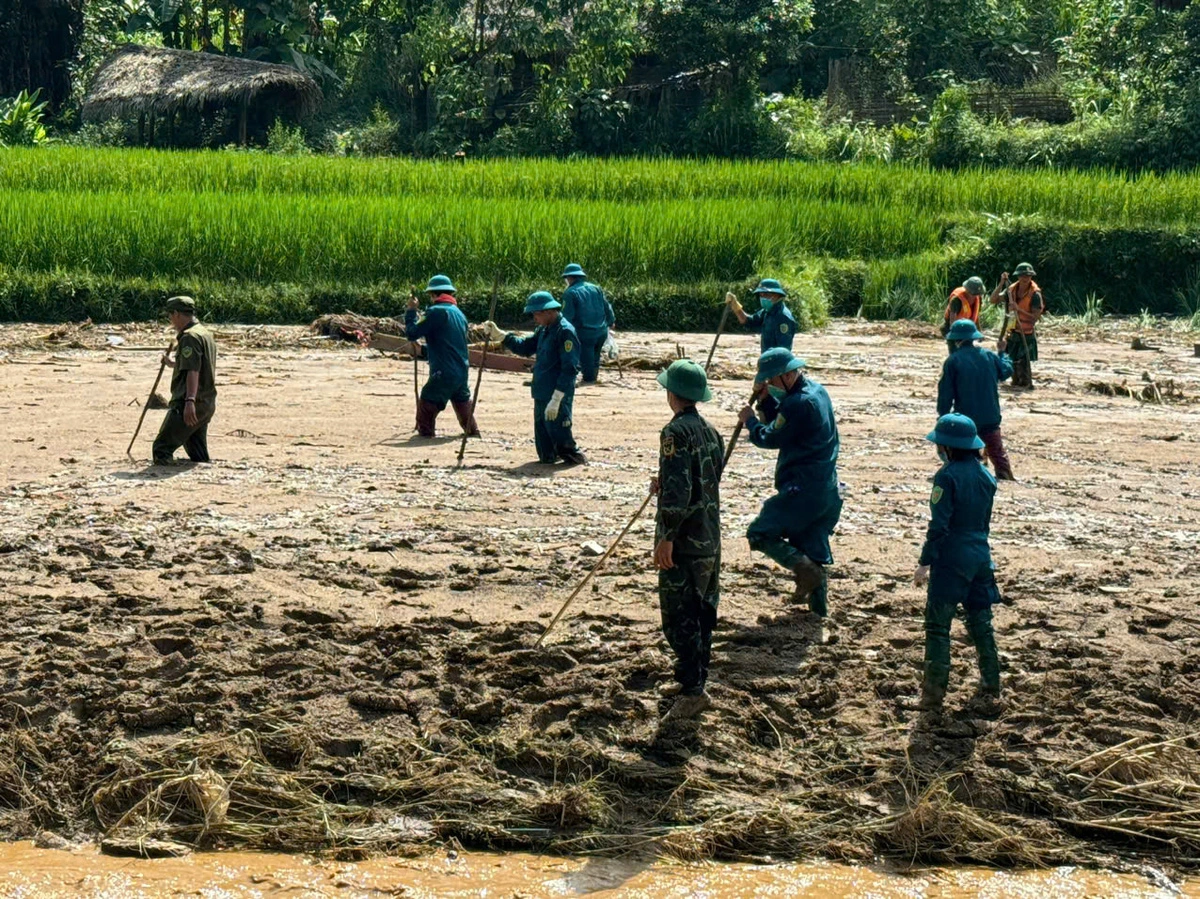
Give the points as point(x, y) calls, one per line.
point(687, 597)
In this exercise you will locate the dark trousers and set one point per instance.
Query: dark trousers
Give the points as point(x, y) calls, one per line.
point(948, 589)
point(553, 438)
point(688, 595)
point(175, 432)
point(1023, 350)
point(591, 345)
point(993, 442)
point(434, 396)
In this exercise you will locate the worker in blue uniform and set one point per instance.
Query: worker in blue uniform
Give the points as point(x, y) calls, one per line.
point(586, 307)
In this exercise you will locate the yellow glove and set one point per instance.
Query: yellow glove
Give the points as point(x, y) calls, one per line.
point(734, 306)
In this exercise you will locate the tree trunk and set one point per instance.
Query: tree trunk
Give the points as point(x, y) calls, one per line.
point(225, 39)
point(242, 124)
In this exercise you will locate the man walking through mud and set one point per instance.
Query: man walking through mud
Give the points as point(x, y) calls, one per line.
point(687, 547)
point(794, 526)
point(193, 386)
point(556, 347)
point(444, 329)
point(1024, 300)
point(586, 307)
point(970, 385)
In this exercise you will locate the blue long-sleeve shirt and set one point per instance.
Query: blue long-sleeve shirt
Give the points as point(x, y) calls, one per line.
point(444, 328)
point(970, 383)
point(556, 347)
point(777, 326)
point(586, 307)
point(806, 435)
point(960, 516)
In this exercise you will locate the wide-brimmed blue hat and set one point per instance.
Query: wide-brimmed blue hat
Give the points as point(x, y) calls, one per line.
point(770, 285)
point(685, 378)
point(955, 431)
point(440, 284)
point(541, 301)
point(775, 362)
point(964, 329)
point(573, 271)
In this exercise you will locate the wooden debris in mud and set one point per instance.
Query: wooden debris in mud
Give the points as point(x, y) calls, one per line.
point(354, 327)
point(1150, 391)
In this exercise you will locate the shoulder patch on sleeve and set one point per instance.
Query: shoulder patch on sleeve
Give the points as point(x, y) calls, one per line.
point(779, 423)
point(668, 445)
point(568, 345)
point(783, 327)
point(186, 351)
point(937, 495)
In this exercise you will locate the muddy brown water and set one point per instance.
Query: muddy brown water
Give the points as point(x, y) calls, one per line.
point(29, 872)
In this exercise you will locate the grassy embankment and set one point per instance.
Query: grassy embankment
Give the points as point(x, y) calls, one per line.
point(107, 233)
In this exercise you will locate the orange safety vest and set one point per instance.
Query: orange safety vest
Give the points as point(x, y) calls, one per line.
point(968, 306)
point(1023, 303)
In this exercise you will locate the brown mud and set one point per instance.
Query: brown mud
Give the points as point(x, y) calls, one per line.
point(324, 640)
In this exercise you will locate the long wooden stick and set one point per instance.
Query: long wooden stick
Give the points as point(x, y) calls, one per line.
point(737, 432)
point(462, 447)
point(720, 331)
point(599, 564)
point(146, 408)
point(416, 351)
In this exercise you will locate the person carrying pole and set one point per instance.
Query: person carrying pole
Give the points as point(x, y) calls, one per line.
point(556, 347)
point(794, 526)
point(775, 324)
point(1024, 300)
point(964, 303)
point(970, 385)
point(586, 307)
point(687, 537)
point(956, 563)
point(193, 386)
point(444, 329)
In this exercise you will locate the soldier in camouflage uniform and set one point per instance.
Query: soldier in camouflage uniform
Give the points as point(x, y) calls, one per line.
point(687, 549)
point(193, 386)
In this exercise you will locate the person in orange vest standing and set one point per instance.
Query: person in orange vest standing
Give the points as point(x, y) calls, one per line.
point(1024, 300)
point(964, 303)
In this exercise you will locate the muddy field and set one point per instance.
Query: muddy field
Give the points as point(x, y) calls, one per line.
point(324, 640)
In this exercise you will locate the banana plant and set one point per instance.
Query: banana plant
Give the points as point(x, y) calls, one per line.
point(21, 121)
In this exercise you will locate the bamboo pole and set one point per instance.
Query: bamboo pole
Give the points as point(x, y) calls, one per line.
point(146, 408)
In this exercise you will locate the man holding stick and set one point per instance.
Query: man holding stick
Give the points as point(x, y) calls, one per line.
point(775, 324)
point(794, 526)
point(687, 550)
point(444, 328)
point(193, 386)
point(587, 308)
point(1024, 300)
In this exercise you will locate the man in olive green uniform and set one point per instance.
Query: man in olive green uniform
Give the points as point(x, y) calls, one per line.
point(687, 549)
point(193, 386)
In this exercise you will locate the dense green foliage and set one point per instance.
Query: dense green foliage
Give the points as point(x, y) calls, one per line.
point(107, 232)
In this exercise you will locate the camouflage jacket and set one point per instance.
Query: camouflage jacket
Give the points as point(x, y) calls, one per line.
point(690, 460)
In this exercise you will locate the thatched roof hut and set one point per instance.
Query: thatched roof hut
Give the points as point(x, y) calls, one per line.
point(156, 82)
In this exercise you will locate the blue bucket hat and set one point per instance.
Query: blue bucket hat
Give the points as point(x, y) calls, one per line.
point(573, 271)
point(541, 301)
point(955, 431)
point(685, 378)
point(770, 285)
point(440, 284)
point(963, 329)
point(775, 362)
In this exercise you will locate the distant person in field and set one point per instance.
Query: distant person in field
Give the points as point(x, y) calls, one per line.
point(956, 563)
point(964, 303)
point(556, 347)
point(1024, 300)
point(794, 526)
point(193, 386)
point(687, 541)
point(775, 324)
point(444, 330)
point(970, 385)
point(586, 307)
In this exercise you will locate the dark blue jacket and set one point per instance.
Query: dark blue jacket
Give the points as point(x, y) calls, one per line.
point(586, 307)
point(806, 435)
point(444, 328)
point(557, 363)
point(777, 324)
point(970, 384)
point(960, 511)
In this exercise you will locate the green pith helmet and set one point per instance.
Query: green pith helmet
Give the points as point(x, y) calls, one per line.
point(181, 304)
point(440, 284)
point(974, 286)
point(955, 431)
point(573, 271)
point(963, 329)
point(775, 362)
point(1024, 269)
point(686, 379)
point(541, 301)
point(770, 285)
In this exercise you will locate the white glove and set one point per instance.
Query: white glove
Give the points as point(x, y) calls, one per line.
point(610, 347)
point(494, 334)
point(735, 307)
point(553, 405)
